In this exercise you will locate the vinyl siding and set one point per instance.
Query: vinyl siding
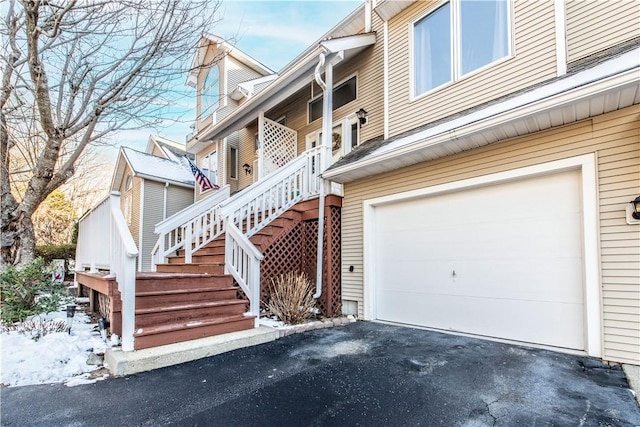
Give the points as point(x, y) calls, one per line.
point(594, 25)
point(238, 73)
point(152, 214)
point(613, 137)
point(210, 149)
point(178, 198)
point(534, 37)
point(246, 144)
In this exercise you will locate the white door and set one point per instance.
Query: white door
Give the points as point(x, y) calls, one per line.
point(502, 261)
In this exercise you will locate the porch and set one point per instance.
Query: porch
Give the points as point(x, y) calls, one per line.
point(214, 260)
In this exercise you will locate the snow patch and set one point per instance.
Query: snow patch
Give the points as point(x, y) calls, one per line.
point(54, 358)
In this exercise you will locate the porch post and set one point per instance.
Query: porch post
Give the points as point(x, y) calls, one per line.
point(260, 144)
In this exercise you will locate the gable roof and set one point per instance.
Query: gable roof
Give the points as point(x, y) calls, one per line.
point(607, 82)
point(229, 49)
point(172, 150)
point(144, 165)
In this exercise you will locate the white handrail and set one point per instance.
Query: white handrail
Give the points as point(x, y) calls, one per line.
point(179, 228)
point(242, 261)
point(104, 242)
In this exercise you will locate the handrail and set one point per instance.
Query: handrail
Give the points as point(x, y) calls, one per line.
point(187, 225)
point(188, 213)
point(242, 261)
point(104, 241)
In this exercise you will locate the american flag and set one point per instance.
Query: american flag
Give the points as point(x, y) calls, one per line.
point(201, 178)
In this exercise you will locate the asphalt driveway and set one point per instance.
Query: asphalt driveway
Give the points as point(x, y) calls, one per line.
point(360, 374)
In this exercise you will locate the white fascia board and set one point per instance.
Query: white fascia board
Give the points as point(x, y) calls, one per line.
point(118, 171)
point(348, 43)
point(616, 72)
point(390, 8)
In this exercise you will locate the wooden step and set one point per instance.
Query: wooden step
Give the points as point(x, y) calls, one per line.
point(210, 268)
point(198, 258)
point(188, 312)
point(146, 300)
point(154, 336)
point(157, 282)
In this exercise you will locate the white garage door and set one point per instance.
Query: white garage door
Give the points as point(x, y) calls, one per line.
point(502, 261)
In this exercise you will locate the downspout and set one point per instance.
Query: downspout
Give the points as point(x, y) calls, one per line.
point(164, 202)
point(327, 120)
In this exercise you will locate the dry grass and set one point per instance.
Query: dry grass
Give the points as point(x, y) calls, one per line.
point(292, 298)
point(37, 327)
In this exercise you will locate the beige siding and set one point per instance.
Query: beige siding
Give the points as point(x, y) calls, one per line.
point(238, 73)
point(153, 207)
point(158, 152)
point(614, 137)
point(246, 144)
point(534, 50)
point(594, 25)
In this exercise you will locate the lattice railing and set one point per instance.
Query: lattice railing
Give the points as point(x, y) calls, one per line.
point(280, 146)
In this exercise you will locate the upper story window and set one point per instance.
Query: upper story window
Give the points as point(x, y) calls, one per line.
point(457, 38)
point(211, 91)
point(343, 93)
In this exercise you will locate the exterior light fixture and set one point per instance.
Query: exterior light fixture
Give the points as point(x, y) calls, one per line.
point(362, 114)
point(248, 170)
point(635, 208)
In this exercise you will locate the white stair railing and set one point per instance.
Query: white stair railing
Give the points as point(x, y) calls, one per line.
point(193, 223)
point(255, 208)
point(106, 223)
point(242, 261)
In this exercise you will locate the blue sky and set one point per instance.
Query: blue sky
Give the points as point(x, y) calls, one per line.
point(273, 32)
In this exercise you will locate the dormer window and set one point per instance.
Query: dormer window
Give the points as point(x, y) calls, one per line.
point(459, 38)
point(211, 91)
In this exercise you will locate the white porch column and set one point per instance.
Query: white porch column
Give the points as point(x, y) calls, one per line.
point(260, 144)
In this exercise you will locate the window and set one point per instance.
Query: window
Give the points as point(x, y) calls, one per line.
point(209, 167)
point(127, 206)
point(343, 93)
point(233, 163)
point(211, 91)
point(480, 36)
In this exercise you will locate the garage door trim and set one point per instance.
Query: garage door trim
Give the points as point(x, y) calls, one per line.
point(585, 163)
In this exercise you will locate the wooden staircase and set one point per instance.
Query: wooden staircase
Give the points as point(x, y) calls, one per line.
point(181, 302)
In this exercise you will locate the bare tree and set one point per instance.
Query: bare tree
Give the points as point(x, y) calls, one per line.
point(73, 73)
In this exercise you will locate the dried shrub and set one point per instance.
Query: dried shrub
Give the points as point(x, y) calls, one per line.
point(291, 298)
point(37, 327)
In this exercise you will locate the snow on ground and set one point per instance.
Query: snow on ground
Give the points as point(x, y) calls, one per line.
point(55, 357)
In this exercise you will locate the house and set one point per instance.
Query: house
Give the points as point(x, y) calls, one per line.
point(477, 179)
point(153, 185)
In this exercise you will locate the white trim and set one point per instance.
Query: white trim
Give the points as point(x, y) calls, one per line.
point(335, 86)
point(455, 35)
point(224, 94)
point(561, 37)
point(385, 95)
point(237, 165)
point(591, 265)
point(141, 225)
point(602, 78)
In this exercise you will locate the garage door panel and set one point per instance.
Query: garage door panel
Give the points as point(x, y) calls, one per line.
point(508, 251)
point(489, 317)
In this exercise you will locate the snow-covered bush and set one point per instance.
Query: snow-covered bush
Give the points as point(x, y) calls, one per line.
point(291, 298)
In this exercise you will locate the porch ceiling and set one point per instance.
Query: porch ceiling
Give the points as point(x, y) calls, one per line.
point(288, 83)
point(610, 86)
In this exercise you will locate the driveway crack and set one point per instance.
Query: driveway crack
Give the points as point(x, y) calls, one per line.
point(488, 405)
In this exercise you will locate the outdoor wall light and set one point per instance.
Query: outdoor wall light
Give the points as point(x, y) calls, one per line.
point(635, 208)
point(248, 170)
point(362, 115)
